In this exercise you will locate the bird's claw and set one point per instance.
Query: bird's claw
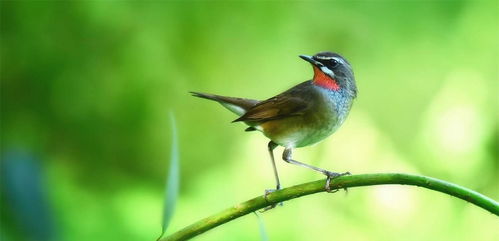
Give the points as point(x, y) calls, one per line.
point(267, 192)
point(330, 176)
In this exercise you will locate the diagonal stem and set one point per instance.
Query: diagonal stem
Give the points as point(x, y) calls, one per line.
point(341, 182)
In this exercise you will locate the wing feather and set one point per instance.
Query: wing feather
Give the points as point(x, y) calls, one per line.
point(275, 108)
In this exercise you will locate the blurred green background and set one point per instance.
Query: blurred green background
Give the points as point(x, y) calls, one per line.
point(86, 88)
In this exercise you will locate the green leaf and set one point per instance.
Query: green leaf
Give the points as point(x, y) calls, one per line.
point(172, 180)
point(261, 227)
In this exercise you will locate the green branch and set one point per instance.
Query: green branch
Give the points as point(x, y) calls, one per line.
point(341, 182)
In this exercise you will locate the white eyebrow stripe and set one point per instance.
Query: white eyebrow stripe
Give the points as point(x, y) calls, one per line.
point(331, 57)
point(340, 60)
point(324, 57)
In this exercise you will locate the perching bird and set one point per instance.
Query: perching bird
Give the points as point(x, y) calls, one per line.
point(302, 115)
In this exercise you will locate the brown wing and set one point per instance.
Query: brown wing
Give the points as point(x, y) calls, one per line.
point(275, 108)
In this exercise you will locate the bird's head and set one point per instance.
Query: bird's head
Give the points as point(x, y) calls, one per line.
point(333, 72)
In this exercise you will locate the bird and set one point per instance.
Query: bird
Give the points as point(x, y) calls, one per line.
point(302, 115)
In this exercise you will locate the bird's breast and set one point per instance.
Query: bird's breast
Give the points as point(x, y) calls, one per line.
point(329, 110)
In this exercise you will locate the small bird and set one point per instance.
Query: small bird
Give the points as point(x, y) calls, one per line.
point(303, 115)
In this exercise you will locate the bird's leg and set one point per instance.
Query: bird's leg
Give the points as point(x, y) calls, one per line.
point(287, 155)
point(272, 145)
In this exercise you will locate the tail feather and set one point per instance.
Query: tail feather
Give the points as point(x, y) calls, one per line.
point(237, 105)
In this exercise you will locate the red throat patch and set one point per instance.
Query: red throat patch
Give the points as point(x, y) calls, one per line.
point(323, 80)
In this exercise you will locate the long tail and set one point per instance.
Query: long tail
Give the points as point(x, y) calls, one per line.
point(239, 106)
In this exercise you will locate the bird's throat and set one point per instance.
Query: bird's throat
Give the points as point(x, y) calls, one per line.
point(323, 80)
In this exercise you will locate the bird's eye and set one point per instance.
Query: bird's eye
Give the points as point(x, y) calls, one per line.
point(334, 63)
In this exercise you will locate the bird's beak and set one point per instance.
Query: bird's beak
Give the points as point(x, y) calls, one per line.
point(311, 60)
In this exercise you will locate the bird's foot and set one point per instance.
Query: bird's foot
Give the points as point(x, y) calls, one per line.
point(267, 192)
point(332, 175)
